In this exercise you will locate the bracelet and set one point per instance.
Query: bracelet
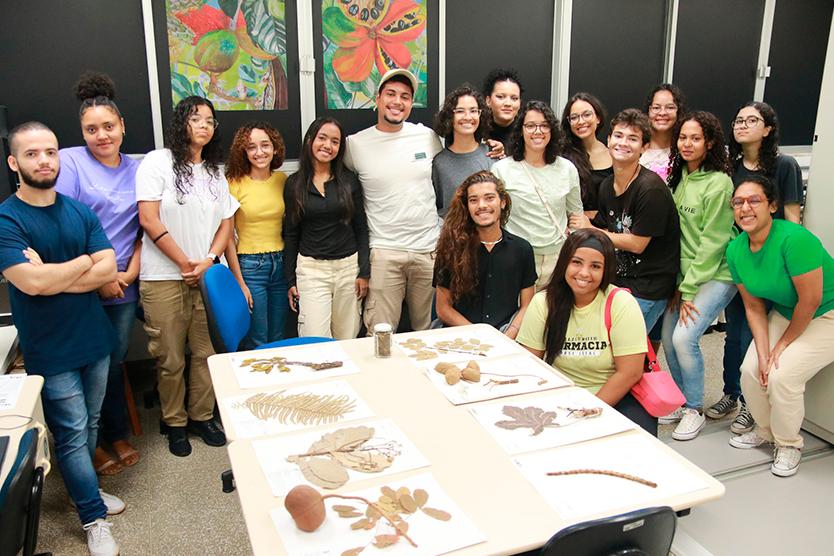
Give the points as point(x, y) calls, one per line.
point(160, 236)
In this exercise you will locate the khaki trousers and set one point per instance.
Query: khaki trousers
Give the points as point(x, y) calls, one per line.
point(544, 269)
point(327, 304)
point(398, 275)
point(174, 313)
point(779, 408)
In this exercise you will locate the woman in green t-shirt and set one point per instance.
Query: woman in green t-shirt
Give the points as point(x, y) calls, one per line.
point(784, 263)
point(565, 325)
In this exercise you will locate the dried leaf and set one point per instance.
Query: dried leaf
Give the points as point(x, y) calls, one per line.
point(306, 408)
point(371, 512)
point(381, 541)
point(326, 473)
point(466, 347)
point(360, 524)
point(402, 528)
point(408, 503)
point(437, 514)
point(387, 498)
point(364, 462)
point(350, 514)
point(370, 525)
point(321, 481)
point(474, 341)
point(401, 492)
point(343, 509)
point(342, 439)
point(530, 417)
point(353, 551)
point(421, 497)
point(484, 347)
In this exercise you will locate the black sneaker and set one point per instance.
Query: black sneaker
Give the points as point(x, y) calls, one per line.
point(208, 431)
point(178, 442)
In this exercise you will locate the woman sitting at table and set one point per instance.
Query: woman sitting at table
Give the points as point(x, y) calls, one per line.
point(565, 325)
point(784, 263)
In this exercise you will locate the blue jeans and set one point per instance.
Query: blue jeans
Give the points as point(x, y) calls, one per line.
point(738, 340)
point(652, 311)
point(113, 423)
point(71, 406)
point(680, 343)
point(263, 274)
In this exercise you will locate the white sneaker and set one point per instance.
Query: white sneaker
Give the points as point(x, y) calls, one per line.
point(691, 424)
point(114, 505)
point(672, 418)
point(99, 539)
point(747, 441)
point(785, 461)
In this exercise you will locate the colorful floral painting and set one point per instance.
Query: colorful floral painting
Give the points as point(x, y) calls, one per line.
point(365, 38)
point(232, 52)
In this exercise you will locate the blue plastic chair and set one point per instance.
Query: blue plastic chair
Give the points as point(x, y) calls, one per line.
point(228, 313)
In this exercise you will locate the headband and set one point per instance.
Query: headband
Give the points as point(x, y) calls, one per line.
point(592, 243)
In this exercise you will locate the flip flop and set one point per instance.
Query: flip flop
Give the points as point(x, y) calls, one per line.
point(129, 457)
point(109, 467)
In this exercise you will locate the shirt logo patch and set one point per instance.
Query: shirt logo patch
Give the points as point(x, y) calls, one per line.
point(419, 156)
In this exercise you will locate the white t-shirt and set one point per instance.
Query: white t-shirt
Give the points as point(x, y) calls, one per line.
point(395, 171)
point(193, 224)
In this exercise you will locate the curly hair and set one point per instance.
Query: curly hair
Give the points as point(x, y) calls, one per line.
point(677, 96)
point(444, 119)
point(769, 189)
point(497, 75)
point(238, 165)
point(555, 146)
point(560, 296)
point(306, 171)
point(178, 141)
point(769, 149)
point(95, 89)
point(457, 248)
point(716, 160)
point(575, 149)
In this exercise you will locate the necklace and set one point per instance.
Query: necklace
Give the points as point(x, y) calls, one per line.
point(493, 242)
point(631, 179)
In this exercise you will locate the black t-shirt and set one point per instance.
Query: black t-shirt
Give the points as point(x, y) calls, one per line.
point(502, 134)
point(645, 209)
point(590, 198)
point(502, 274)
point(787, 177)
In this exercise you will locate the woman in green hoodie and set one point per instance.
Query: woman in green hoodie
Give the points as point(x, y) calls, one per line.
point(701, 187)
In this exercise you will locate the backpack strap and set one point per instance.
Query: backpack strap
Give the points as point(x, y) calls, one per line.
point(608, 303)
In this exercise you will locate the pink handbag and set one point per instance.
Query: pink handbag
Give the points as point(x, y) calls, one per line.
point(656, 391)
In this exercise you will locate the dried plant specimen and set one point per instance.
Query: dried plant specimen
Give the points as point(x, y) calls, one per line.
point(473, 346)
point(305, 409)
point(472, 373)
point(326, 462)
point(602, 472)
point(539, 419)
point(267, 365)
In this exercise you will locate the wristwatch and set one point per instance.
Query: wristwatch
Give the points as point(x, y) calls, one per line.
point(214, 258)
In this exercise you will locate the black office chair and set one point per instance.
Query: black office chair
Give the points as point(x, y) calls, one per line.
point(20, 500)
point(646, 532)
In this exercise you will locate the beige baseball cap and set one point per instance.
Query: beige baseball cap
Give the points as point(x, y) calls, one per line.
point(395, 72)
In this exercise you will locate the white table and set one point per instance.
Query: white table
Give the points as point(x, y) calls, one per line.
point(28, 405)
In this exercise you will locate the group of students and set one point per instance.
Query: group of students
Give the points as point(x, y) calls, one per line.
point(533, 243)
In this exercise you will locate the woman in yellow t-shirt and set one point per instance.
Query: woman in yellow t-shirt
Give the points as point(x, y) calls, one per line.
point(565, 325)
point(257, 260)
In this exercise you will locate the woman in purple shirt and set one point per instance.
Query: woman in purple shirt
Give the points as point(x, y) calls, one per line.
point(101, 177)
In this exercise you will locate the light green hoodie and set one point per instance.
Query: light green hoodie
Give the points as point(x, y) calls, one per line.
point(706, 219)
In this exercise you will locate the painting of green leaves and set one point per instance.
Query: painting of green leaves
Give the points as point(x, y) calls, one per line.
point(365, 38)
point(232, 52)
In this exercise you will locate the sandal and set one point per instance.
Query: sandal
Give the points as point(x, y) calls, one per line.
point(129, 457)
point(108, 466)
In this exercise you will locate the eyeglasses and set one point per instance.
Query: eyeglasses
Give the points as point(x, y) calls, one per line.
point(749, 121)
point(586, 116)
point(197, 121)
point(265, 147)
point(532, 128)
point(467, 112)
point(754, 201)
point(657, 108)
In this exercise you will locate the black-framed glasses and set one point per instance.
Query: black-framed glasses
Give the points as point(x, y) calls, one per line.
point(753, 200)
point(467, 112)
point(749, 121)
point(656, 108)
point(586, 116)
point(197, 121)
point(532, 128)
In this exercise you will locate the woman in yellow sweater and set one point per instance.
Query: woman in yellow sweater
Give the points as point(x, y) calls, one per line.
point(257, 260)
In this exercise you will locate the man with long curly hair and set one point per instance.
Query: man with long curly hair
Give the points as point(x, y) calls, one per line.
point(482, 272)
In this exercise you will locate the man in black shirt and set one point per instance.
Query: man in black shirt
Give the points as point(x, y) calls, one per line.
point(637, 212)
point(483, 274)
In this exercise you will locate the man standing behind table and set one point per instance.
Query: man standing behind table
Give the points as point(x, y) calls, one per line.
point(637, 212)
point(56, 255)
point(393, 160)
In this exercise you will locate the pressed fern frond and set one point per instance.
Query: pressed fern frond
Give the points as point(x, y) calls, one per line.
point(306, 408)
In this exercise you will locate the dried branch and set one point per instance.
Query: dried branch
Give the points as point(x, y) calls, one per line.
point(602, 472)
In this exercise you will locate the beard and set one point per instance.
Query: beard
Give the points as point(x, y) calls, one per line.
point(38, 183)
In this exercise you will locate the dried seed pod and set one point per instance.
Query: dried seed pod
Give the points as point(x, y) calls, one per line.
point(306, 507)
point(472, 372)
point(442, 367)
point(453, 376)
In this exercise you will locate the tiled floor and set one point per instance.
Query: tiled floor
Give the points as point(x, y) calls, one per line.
point(175, 506)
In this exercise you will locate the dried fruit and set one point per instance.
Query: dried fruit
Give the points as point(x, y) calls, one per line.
point(444, 367)
point(306, 506)
point(472, 372)
point(453, 376)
